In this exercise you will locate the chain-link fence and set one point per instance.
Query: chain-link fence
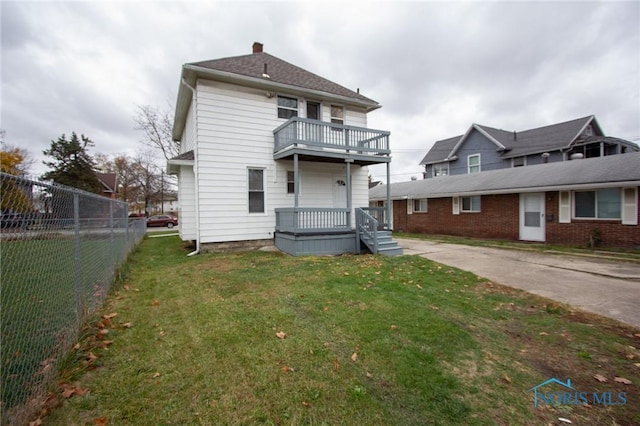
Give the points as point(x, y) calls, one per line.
point(59, 251)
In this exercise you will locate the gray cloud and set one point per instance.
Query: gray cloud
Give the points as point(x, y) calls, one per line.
point(435, 67)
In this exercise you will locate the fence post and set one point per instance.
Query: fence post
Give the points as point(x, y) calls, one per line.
point(77, 255)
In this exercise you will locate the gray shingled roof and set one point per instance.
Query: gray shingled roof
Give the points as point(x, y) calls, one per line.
point(526, 142)
point(598, 171)
point(279, 71)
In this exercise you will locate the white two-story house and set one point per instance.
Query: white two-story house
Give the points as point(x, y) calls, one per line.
point(272, 153)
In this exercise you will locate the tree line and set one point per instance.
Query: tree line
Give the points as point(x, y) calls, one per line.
point(139, 180)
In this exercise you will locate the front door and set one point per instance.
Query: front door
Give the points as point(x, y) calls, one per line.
point(339, 192)
point(532, 217)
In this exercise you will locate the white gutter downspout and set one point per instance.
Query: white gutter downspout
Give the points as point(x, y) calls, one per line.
point(195, 168)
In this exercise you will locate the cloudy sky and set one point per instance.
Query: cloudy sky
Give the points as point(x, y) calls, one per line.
point(435, 67)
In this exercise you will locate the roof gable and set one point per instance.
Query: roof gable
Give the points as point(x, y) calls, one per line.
point(514, 144)
point(261, 64)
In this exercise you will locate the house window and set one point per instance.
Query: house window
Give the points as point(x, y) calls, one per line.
point(337, 114)
point(287, 107)
point(420, 205)
point(290, 183)
point(471, 204)
point(256, 191)
point(518, 162)
point(441, 169)
point(473, 163)
point(599, 204)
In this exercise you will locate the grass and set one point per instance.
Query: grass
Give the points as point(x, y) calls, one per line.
point(369, 340)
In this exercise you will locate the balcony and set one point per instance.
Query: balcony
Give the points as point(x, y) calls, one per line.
point(315, 140)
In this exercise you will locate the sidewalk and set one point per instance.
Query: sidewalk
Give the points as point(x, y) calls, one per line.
point(600, 285)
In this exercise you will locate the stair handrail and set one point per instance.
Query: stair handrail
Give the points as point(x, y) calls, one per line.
point(366, 226)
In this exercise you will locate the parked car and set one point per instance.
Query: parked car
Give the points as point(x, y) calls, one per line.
point(162, 220)
point(15, 220)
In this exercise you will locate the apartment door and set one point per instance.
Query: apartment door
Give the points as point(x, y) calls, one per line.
point(313, 131)
point(532, 217)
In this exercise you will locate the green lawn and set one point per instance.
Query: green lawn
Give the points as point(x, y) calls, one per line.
point(369, 340)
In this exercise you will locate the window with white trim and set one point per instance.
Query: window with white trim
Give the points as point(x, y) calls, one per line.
point(441, 169)
point(473, 163)
point(599, 204)
point(290, 182)
point(287, 107)
point(470, 204)
point(256, 190)
point(519, 162)
point(420, 205)
point(337, 114)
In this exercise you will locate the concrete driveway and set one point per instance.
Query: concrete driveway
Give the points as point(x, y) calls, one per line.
point(606, 287)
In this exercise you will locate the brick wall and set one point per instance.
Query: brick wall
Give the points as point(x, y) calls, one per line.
point(499, 219)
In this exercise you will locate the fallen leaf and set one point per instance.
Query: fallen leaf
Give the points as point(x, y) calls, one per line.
point(326, 308)
point(37, 422)
point(126, 287)
point(600, 378)
point(281, 334)
point(346, 274)
point(544, 333)
point(106, 343)
point(156, 374)
point(305, 404)
point(630, 356)
point(622, 380)
point(419, 286)
point(369, 375)
point(100, 421)
point(103, 331)
point(68, 391)
point(127, 325)
point(563, 420)
point(91, 357)
point(155, 302)
point(393, 326)
point(637, 364)
point(109, 316)
point(286, 369)
point(76, 346)
point(506, 379)
point(162, 333)
point(336, 364)
point(435, 308)
point(354, 356)
point(637, 334)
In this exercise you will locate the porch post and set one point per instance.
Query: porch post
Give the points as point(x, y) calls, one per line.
point(389, 207)
point(349, 190)
point(296, 181)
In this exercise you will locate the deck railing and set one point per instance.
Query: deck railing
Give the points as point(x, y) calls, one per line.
point(312, 220)
point(366, 229)
point(320, 134)
point(379, 214)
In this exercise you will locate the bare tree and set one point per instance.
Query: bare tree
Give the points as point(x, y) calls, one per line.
point(157, 125)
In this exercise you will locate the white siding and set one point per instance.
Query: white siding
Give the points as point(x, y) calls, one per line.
point(235, 132)
point(188, 141)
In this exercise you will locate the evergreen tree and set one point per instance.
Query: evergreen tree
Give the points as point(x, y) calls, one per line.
point(72, 165)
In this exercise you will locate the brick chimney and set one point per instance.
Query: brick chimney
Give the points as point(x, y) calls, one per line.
point(257, 47)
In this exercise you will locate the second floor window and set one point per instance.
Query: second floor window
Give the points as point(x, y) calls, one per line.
point(287, 107)
point(441, 169)
point(473, 163)
point(337, 114)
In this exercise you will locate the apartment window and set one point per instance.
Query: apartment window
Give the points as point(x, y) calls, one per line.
point(471, 204)
point(256, 191)
point(337, 114)
point(518, 162)
point(441, 169)
point(287, 107)
point(599, 204)
point(290, 183)
point(473, 163)
point(420, 205)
